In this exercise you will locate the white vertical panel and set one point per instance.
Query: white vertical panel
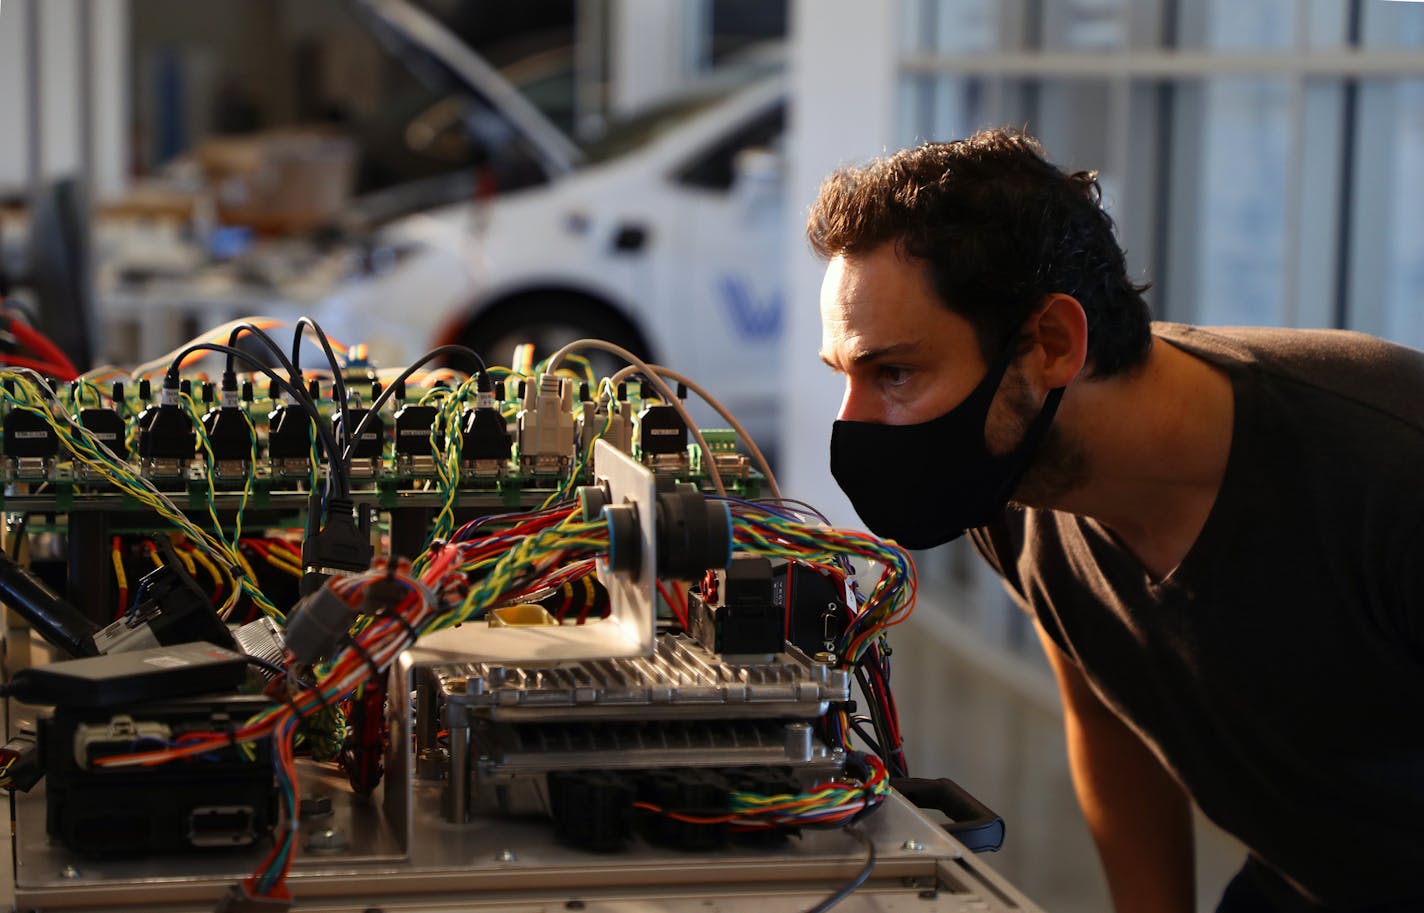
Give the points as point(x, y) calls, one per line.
point(13, 152)
point(59, 88)
point(109, 45)
point(649, 53)
point(843, 101)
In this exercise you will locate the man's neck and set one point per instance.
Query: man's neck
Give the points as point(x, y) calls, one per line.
point(1155, 446)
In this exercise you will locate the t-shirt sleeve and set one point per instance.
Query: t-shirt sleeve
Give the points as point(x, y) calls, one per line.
point(994, 545)
point(1001, 544)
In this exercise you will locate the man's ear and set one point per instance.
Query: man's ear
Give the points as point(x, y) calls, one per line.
point(1058, 331)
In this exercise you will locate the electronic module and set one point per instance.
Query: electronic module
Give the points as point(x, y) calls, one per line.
point(496, 637)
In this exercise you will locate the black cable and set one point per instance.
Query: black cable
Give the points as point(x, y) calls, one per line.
point(341, 480)
point(17, 536)
point(337, 379)
point(860, 878)
point(877, 709)
point(399, 382)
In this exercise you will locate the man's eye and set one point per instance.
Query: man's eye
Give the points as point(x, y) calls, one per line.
point(892, 376)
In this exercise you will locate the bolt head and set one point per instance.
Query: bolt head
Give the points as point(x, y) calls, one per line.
point(914, 846)
point(69, 871)
point(506, 856)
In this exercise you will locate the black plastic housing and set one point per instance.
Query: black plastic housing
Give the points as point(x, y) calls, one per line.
point(219, 800)
point(108, 426)
point(28, 435)
point(288, 433)
point(662, 431)
point(415, 430)
point(748, 620)
point(485, 435)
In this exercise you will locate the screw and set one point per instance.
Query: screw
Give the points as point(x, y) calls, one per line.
point(929, 895)
point(913, 846)
point(327, 840)
point(316, 807)
point(505, 856)
point(69, 872)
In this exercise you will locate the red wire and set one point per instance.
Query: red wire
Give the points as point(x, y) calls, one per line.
point(44, 367)
point(42, 346)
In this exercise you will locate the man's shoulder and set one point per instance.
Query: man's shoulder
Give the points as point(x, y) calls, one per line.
point(1353, 369)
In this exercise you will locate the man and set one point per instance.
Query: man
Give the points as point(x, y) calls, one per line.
point(1217, 531)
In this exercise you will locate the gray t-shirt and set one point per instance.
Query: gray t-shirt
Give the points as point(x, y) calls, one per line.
point(1279, 670)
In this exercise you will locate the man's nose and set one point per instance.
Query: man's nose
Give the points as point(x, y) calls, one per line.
point(857, 405)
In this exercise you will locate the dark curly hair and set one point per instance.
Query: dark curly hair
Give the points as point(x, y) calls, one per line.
point(999, 228)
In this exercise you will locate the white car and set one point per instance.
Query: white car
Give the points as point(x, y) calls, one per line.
point(665, 236)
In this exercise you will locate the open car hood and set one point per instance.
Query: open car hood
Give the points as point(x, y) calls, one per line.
point(445, 64)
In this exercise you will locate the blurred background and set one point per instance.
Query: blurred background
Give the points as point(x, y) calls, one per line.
point(418, 171)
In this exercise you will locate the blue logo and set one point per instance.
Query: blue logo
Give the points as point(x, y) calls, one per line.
point(753, 319)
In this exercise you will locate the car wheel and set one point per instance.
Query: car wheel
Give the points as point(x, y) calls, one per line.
point(550, 322)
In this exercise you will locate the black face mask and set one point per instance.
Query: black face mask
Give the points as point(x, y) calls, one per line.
point(923, 485)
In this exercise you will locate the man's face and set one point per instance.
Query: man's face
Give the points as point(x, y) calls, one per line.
point(906, 357)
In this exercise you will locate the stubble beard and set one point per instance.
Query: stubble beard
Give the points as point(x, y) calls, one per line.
point(1058, 467)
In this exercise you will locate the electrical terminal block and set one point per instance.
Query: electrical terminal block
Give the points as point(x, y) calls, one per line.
point(546, 426)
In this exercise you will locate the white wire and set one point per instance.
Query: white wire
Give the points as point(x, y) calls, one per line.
point(552, 364)
point(721, 410)
point(150, 367)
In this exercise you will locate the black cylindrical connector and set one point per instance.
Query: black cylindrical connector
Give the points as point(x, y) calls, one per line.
point(58, 622)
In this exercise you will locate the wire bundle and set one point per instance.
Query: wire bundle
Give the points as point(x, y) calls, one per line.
point(832, 803)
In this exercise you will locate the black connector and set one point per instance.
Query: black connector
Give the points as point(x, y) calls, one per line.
point(592, 809)
point(341, 546)
point(229, 430)
point(415, 430)
point(662, 432)
point(289, 433)
point(58, 622)
point(743, 618)
point(20, 759)
point(172, 609)
point(485, 436)
point(29, 436)
point(694, 534)
point(107, 426)
point(373, 436)
point(168, 441)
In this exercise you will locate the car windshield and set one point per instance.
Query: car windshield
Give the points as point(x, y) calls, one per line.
point(625, 135)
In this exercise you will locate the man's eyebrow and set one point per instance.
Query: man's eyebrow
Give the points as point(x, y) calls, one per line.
point(865, 356)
